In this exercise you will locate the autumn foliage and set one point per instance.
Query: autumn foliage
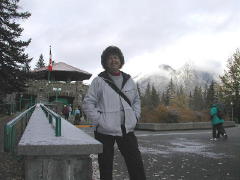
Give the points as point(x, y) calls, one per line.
point(173, 114)
point(175, 105)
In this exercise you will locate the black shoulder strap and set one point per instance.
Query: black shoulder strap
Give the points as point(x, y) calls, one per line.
point(108, 80)
point(117, 90)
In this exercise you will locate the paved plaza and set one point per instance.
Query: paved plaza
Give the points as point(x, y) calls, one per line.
point(169, 155)
point(183, 155)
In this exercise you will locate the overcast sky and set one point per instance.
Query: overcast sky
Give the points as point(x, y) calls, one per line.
point(149, 32)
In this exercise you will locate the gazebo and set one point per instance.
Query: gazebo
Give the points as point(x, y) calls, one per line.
point(62, 85)
point(61, 72)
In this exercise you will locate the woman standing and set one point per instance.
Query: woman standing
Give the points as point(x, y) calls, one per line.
point(113, 104)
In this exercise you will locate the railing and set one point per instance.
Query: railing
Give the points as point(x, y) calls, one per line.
point(53, 119)
point(47, 156)
point(14, 129)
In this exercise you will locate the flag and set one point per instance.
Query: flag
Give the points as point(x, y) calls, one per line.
point(50, 61)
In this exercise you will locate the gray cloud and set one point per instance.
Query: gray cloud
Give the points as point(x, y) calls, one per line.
point(79, 30)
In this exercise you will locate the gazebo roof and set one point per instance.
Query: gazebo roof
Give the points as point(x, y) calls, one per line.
point(62, 72)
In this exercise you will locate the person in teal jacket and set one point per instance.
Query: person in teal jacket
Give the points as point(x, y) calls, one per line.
point(217, 123)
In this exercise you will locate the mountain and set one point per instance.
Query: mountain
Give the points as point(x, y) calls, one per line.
point(188, 77)
point(159, 78)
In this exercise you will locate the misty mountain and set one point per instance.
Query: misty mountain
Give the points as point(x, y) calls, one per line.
point(187, 76)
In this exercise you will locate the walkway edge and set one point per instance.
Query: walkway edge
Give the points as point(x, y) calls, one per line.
point(179, 126)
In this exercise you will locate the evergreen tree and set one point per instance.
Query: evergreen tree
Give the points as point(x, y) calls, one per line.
point(231, 83)
point(205, 92)
point(26, 67)
point(211, 95)
point(146, 99)
point(164, 100)
point(195, 99)
point(220, 95)
point(40, 62)
point(155, 101)
point(198, 103)
point(12, 56)
point(150, 99)
point(201, 99)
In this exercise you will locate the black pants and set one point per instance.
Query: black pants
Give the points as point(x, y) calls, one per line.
point(128, 147)
point(77, 119)
point(66, 116)
point(220, 130)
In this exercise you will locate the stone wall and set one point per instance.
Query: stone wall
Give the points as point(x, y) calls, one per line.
point(50, 157)
point(43, 90)
point(179, 126)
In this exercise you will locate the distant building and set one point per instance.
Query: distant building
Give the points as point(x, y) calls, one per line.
point(63, 85)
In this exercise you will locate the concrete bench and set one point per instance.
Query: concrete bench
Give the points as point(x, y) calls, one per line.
point(48, 157)
point(179, 126)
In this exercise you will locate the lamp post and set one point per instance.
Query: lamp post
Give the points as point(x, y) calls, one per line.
point(232, 109)
point(57, 90)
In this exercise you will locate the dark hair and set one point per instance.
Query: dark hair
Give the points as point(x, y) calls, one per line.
point(111, 50)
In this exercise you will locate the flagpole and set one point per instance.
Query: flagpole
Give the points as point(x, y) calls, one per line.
point(48, 76)
point(50, 65)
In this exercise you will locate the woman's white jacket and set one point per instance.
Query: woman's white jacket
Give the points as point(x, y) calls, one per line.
point(102, 105)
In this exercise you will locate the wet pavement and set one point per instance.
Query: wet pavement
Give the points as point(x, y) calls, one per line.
point(183, 155)
point(169, 155)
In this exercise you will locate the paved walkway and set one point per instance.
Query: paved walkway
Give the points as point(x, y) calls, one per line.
point(171, 155)
point(183, 155)
point(186, 155)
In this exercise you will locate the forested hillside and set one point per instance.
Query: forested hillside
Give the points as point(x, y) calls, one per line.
point(187, 97)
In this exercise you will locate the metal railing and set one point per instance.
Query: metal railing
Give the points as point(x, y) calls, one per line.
point(54, 119)
point(14, 129)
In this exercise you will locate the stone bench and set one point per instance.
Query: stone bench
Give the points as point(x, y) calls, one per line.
point(48, 157)
point(179, 126)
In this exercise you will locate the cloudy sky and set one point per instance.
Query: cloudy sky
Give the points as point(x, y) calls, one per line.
point(149, 32)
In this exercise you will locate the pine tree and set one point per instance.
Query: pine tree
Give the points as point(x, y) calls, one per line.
point(150, 99)
point(26, 67)
point(211, 95)
point(231, 83)
point(163, 99)
point(205, 92)
point(40, 62)
point(146, 98)
point(154, 97)
point(197, 98)
point(12, 56)
point(201, 99)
